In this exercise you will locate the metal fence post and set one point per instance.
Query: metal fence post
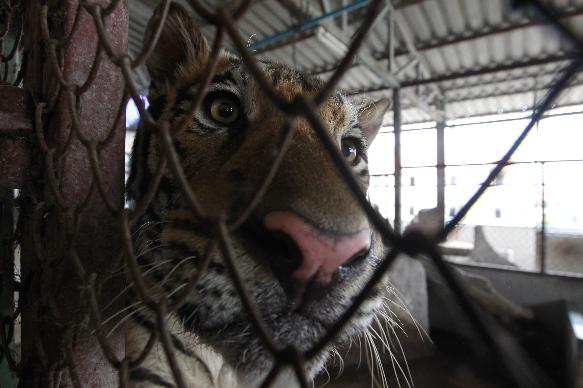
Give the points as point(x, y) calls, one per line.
point(543, 223)
point(440, 132)
point(398, 169)
point(65, 217)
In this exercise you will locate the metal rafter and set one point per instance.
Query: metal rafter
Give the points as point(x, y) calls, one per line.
point(476, 72)
point(490, 70)
point(332, 33)
point(455, 39)
point(509, 93)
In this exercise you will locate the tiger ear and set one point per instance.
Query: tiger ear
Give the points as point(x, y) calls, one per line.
point(181, 52)
point(371, 116)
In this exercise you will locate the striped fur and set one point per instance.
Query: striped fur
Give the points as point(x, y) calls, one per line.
point(225, 164)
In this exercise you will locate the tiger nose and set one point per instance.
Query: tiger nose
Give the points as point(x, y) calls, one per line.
point(322, 253)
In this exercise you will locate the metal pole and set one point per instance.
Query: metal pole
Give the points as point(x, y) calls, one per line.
point(66, 221)
point(397, 130)
point(440, 132)
point(344, 18)
point(391, 40)
point(543, 227)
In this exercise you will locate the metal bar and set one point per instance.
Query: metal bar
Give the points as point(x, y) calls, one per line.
point(344, 18)
point(524, 75)
point(408, 38)
point(408, 3)
point(413, 61)
point(505, 120)
point(486, 121)
point(440, 170)
point(500, 94)
point(543, 228)
point(307, 23)
point(483, 164)
point(391, 40)
point(398, 172)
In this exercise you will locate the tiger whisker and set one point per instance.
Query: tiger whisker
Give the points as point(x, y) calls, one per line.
point(377, 357)
point(369, 355)
point(169, 274)
point(124, 319)
point(112, 316)
point(395, 362)
point(401, 304)
point(340, 361)
point(130, 285)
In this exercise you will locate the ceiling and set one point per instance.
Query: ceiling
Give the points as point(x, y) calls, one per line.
point(451, 58)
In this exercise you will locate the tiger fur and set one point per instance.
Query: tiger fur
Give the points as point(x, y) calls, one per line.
point(226, 151)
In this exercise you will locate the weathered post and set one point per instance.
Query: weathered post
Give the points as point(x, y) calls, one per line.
point(71, 234)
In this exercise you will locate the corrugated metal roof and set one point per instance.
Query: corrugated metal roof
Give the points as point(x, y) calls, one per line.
point(454, 40)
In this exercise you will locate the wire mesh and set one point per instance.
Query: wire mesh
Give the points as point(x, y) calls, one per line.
point(52, 200)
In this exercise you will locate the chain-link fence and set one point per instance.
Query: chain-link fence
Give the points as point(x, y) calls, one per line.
point(74, 233)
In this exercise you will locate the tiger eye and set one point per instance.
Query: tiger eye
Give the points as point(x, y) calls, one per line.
point(225, 110)
point(350, 151)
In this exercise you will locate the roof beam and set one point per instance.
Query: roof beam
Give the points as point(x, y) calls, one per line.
point(476, 72)
point(490, 70)
point(334, 37)
point(480, 82)
point(510, 93)
point(455, 39)
point(402, 27)
point(297, 12)
point(407, 3)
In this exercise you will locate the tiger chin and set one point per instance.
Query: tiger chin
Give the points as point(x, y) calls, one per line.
point(304, 253)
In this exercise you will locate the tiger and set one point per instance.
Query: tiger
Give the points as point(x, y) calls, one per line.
point(305, 251)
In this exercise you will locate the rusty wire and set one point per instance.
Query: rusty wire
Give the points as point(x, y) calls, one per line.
point(301, 108)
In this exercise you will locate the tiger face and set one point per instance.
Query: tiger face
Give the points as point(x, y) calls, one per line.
point(305, 250)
